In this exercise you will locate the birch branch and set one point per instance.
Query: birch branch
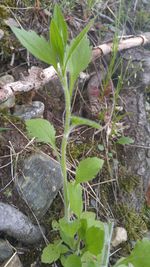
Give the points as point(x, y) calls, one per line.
point(39, 77)
point(127, 43)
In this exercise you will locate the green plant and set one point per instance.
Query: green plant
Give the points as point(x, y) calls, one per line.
point(83, 241)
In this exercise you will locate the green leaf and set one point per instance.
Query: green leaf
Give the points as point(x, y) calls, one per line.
point(140, 255)
point(50, 253)
point(61, 24)
point(75, 42)
point(68, 231)
point(56, 43)
point(63, 249)
point(70, 228)
point(35, 44)
point(42, 130)
point(87, 220)
point(75, 198)
point(79, 60)
point(88, 169)
point(88, 215)
point(90, 260)
point(76, 121)
point(73, 261)
point(94, 240)
point(125, 140)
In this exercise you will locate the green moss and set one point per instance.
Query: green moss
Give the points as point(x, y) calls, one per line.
point(127, 181)
point(146, 216)
point(6, 118)
point(116, 196)
point(133, 222)
point(3, 12)
point(78, 150)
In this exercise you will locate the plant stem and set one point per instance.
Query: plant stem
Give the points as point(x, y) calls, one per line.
point(106, 249)
point(64, 144)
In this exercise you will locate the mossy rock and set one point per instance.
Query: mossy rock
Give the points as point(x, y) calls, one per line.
point(133, 222)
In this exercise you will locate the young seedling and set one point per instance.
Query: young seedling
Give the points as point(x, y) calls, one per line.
point(83, 241)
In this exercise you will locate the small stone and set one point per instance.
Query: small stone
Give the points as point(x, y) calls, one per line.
point(27, 112)
point(14, 261)
point(119, 236)
point(40, 182)
point(5, 250)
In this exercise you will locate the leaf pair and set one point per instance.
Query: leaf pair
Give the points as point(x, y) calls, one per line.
point(44, 131)
point(72, 58)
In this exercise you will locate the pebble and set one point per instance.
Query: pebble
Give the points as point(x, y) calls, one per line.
point(27, 112)
point(119, 236)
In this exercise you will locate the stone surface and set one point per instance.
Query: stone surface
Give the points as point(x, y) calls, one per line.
point(40, 182)
point(119, 236)
point(14, 261)
point(27, 112)
point(5, 250)
point(14, 223)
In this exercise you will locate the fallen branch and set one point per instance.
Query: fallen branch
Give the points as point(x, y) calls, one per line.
point(127, 43)
point(39, 77)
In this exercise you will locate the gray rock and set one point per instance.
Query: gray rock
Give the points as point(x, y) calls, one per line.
point(27, 112)
point(5, 250)
point(40, 182)
point(14, 261)
point(16, 224)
